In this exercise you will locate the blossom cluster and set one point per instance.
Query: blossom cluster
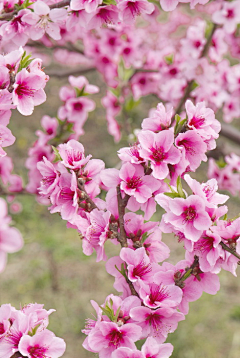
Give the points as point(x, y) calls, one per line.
point(36, 19)
point(22, 83)
point(71, 118)
point(24, 332)
point(154, 297)
point(226, 172)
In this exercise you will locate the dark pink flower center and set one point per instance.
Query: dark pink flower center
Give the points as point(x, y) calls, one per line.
point(205, 244)
point(141, 269)
point(188, 145)
point(154, 320)
point(197, 122)
point(133, 183)
point(74, 156)
point(14, 338)
point(230, 14)
point(134, 8)
point(127, 51)
point(158, 293)
point(158, 154)
point(115, 338)
point(49, 180)
point(66, 194)
point(173, 71)
point(23, 90)
point(189, 214)
point(105, 15)
point(105, 60)
point(197, 44)
point(2, 330)
point(78, 106)
point(135, 153)
point(142, 81)
point(37, 351)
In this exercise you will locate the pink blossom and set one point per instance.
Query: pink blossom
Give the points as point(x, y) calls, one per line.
point(193, 148)
point(228, 16)
point(28, 91)
point(203, 120)
point(106, 337)
point(42, 344)
point(152, 348)
point(159, 119)
point(159, 149)
point(135, 183)
point(131, 8)
point(88, 5)
point(188, 216)
point(45, 20)
point(157, 323)
point(72, 154)
point(139, 266)
point(127, 353)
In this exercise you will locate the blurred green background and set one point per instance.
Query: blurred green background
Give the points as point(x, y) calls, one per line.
point(52, 269)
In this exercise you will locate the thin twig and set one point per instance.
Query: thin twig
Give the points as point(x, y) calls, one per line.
point(85, 197)
point(76, 71)
point(228, 249)
point(17, 355)
point(188, 89)
point(122, 203)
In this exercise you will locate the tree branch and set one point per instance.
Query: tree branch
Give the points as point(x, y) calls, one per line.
point(122, 203)
point(85, 197)
point(69, 47)
point(17, 355)
point(230, 132)
point(61, 74)
point(228, 249)
point(188, 89)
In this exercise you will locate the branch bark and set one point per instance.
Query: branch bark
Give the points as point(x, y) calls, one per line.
point(17, 355)
point(188, 89)
point(73, 72)
point(228, 249)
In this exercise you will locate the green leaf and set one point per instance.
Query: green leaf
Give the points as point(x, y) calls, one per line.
point(194, 85)
point(115, 91)
point(169, 59)
point(25, 61)
point(180, 188)
point(34, 330)
point(221, 163)
point(109, 2)
point(144, 237)
point(131, 104)
point(57, 155)
point(79, 92)
point(173, 195)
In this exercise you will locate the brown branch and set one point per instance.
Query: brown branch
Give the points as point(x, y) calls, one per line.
point(69, 47)
point(9, 15)
point(188, 271)
point(61, 74)
point(85, 197)
point(13, 193)
point(230, 132)
point(122, 203)
point(232, 251)
point(188, 89)
point(60, 4)
point(17, 355)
